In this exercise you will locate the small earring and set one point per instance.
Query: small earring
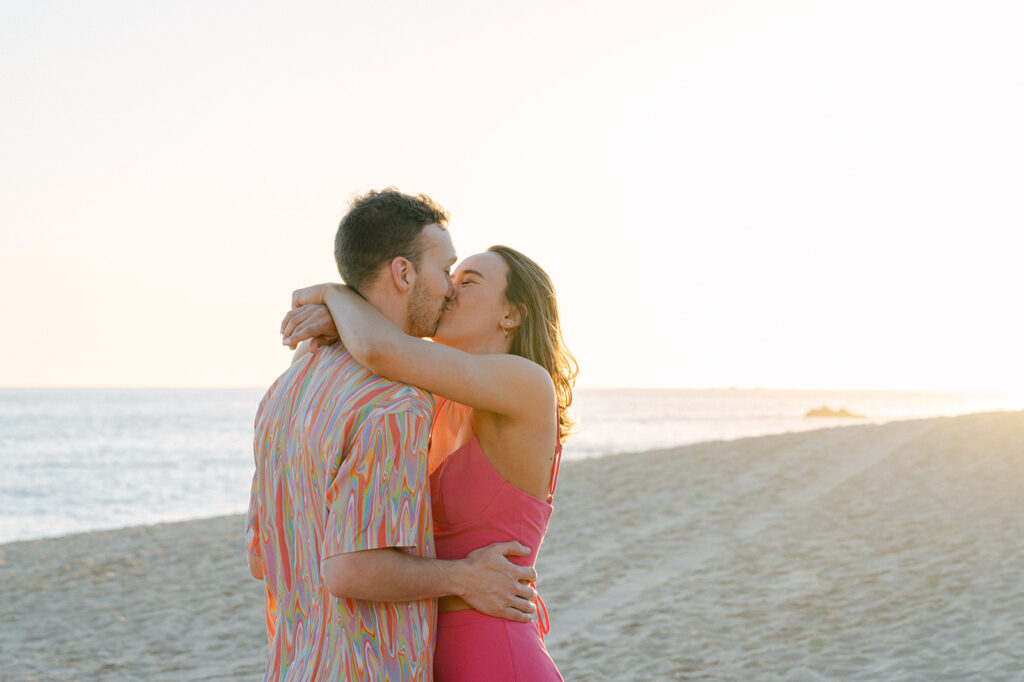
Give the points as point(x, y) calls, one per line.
point(506, 332)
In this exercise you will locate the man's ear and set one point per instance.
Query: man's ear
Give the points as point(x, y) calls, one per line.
point(403, 274)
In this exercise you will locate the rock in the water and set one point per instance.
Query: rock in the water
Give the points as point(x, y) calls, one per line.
point(829, 412)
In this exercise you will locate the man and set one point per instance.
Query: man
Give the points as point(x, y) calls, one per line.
point(339, 525)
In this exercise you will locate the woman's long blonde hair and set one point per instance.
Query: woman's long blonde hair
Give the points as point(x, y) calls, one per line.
point(539, 334)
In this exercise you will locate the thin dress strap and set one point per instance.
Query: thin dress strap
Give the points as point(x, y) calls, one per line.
point(558, 457)
point(543, 620)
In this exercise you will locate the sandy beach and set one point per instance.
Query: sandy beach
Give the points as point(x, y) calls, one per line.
point(866, 552)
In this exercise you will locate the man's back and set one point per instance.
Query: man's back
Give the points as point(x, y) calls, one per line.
point(341, 466)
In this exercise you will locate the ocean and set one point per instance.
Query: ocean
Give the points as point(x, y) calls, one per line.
point(76, 460)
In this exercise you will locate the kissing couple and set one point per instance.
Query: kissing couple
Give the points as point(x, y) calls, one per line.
point(403, 486)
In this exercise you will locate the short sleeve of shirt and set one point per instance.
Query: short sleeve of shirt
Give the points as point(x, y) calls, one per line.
point(252, 520)
point(380, 495)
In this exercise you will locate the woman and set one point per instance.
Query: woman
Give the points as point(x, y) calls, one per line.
point(504, 380)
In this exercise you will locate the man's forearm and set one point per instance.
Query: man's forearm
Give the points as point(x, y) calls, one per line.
point(392, 575)
point(485, 579)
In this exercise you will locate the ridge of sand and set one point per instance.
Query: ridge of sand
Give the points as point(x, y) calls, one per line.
point(870, 552)
point(651, 577)
point(856, 553)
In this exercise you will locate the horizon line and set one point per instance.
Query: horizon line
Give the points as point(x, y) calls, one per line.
point(596, 387)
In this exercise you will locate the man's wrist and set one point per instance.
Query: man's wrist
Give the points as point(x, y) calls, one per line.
point(454, 576)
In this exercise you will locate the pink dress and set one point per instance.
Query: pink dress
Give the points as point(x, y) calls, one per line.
point(474, 506)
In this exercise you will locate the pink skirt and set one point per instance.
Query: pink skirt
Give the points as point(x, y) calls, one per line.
point(473, 647)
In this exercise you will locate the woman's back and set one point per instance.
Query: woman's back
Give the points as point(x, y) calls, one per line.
point(473, 505)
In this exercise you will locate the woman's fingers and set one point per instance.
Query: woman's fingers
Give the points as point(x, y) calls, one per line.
point(304, 330)
point(291, 319)
point(322, 342)
point(322, 324)
point(292, 324)
point(308, 329)
point(302, 320)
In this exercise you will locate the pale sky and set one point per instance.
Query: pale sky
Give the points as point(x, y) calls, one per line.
point(779, 194)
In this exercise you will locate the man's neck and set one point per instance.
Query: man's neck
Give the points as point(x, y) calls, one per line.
point(388, 303)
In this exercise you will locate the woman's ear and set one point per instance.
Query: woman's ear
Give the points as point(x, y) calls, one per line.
point(512, 318)
point(403, 274)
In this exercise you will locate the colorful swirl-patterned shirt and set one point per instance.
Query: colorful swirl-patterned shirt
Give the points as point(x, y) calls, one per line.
point(341, 466)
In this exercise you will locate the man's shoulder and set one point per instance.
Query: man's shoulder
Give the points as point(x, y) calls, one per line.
point(405, 399)
point(374, 393)
point(334, 375)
